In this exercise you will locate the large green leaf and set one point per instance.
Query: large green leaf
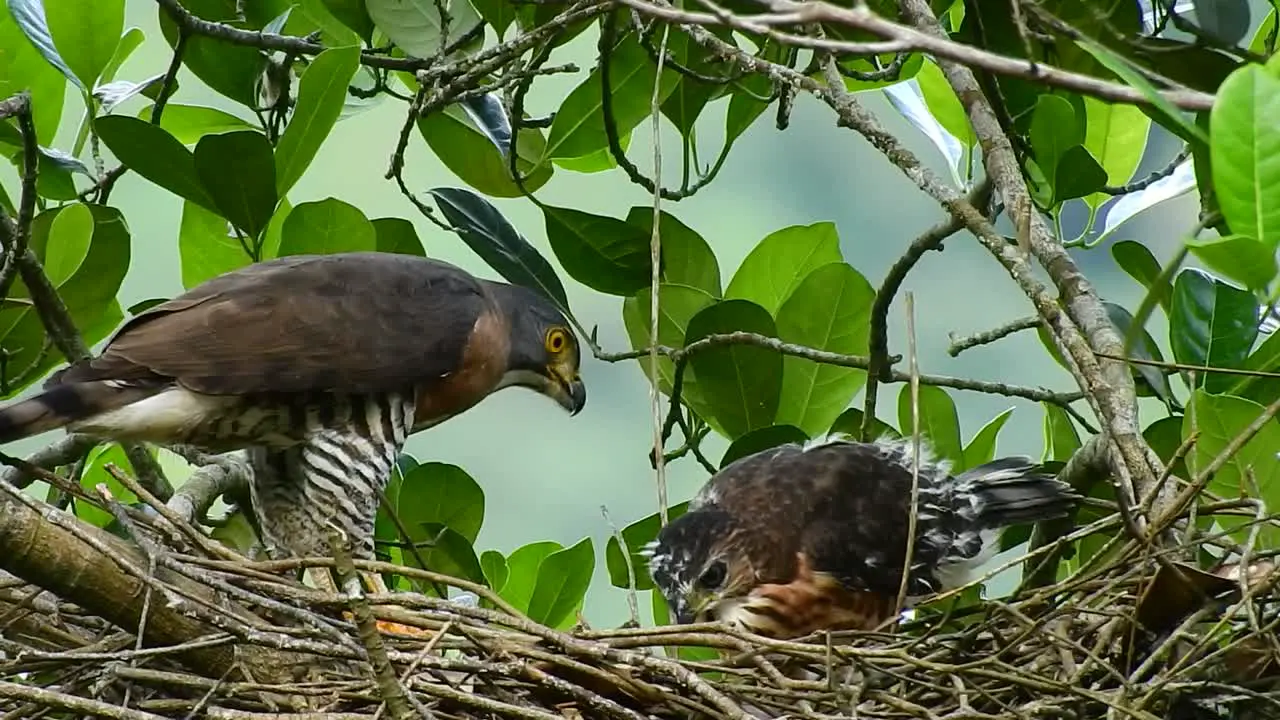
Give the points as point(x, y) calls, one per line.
point(1219, 420)
point(86, 34)
point(321, 93)
point(463, 148)
point(397, 235)
point(353, 14)
point(982, 448)
point(442, 509)
point(415, 25)
point(1150, 379)
point(155, 155)
point(1054, 130)
point(939, 422)
point(229, 70)
point(1211, 323)
point(943, 104)
point(578, 128)
point(522, 572)
point(1116, 135)
point(636, 536)
point(677, 305)
point(780, 262)
point(829, 310)
point(604, 253)
point(1136, 260)
point(492, 237)
point(740, 383)
point(206, 247)
point(1241, 258)
point(23, 67)
point(563, 579)
point(1245, 153)
point(326, 226)
point(189, 123)
point(238, 171)
point(70, 237)
point(687, 259)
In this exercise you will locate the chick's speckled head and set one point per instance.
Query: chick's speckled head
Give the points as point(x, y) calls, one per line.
point(693, 565)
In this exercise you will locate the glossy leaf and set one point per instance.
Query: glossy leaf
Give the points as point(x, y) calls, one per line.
point(31, 17)
point(23, 66)
point(494, 567)
point(1061, 440)
point(740, 383)
point(578, 128)
point(982, 448)
point(490, 118)
point(1136, 260)
point(1054, 130)
point(745, 105)
point(687, 259)
point(353, 14)
point(677, 305)
point(189, 123)
point(155, 155)
point(604, 253)
point(94, 474)
point(1245, 153)
point(70, 236)
point(1115, 134)
point(522, 572)
point(939, 422)
point(1134, 78)
point(943, 104)
point(238, 171)
point(206, 246)
point(1211, 323)
point(1219, 419)
point(464, 148)
point(1241, 258)
point(415, 25)
point(850, 423)
point(780, 262)
point(490, 236)
point(321, 92)
point(829, 310)
point(438, 500)
point(1078, 175)
point(636, 536)
point(397, 235)
point(326, 226)
point(762, 439)
point(563, 579)
point(229, 70)
point(1143, 347)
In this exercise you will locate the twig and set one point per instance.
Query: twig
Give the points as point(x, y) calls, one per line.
point(959, 345)
point(655, 267)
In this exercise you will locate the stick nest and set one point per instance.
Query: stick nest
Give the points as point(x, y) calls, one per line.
point(1130, 634)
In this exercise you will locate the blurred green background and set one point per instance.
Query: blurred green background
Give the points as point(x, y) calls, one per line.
point(545, 475)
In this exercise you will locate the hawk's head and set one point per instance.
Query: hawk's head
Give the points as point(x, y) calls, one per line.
point(696, 568)
point(544, 353)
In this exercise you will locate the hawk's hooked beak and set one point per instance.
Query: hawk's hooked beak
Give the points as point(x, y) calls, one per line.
point(571, 394)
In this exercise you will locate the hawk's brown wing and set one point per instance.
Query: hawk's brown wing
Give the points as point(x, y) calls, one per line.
point(353, 322)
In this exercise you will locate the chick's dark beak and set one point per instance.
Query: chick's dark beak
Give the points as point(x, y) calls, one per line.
point(684, 614)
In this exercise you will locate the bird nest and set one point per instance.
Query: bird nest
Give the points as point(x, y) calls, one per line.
point(1131, 633)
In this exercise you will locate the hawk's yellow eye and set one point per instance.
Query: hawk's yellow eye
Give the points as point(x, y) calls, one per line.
point(557, 338)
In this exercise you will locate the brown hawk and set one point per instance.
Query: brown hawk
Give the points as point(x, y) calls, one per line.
point(319, 366)
point(801, 538)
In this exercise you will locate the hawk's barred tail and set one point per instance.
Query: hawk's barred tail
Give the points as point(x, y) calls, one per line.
point(61, 405)
point(1013, 491)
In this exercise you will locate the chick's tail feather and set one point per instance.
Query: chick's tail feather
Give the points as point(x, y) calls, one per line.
point(1015, 491)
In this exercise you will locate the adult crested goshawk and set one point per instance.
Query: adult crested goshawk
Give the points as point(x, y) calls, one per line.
point(319, 366)
point(801, 538)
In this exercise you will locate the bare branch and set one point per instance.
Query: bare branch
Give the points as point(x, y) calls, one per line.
point(959, 345)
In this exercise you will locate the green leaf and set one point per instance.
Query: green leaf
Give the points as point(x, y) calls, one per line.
point(1136, 260)
point(70, 237)
point(1241, 258)
point(781, 261)
point(1245, 153)
point(498, 13)
point(982, 448)
point(494, 567)
point(677, 304)
point(1061, 440)
point(1115, 135)
point(578, 127)
point(205, 246)
point(95, 473)
point(943, 103)
point(351, 13)
point(1077, 175)
point(850, 423)
point(745, 106)
point(238, 171)
point(741, 383)
point(321, 93)
point(397, 235)
point(189, 123)
point(1054, 129)
point(443, 550)
point(1211, 323)
point(829, 310)
point(326, 226)
point(563, 579)
point(687, 259)
point(636, 536)
point(603, 253)
point(437, 492)
point(1220, 419)
point(938, 421)
point(1147, 377)
point(129, 42)
point(23, 67)
point(762, 439)
point(29, 15)
point(522, 572)
point(229, 70)
point(492, 237)
point(415, 25)
point(463, 148)
point(1134, 78)
point(155, 155)
point(86, 34)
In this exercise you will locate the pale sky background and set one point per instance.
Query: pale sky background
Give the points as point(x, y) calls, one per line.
point(545, 474)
